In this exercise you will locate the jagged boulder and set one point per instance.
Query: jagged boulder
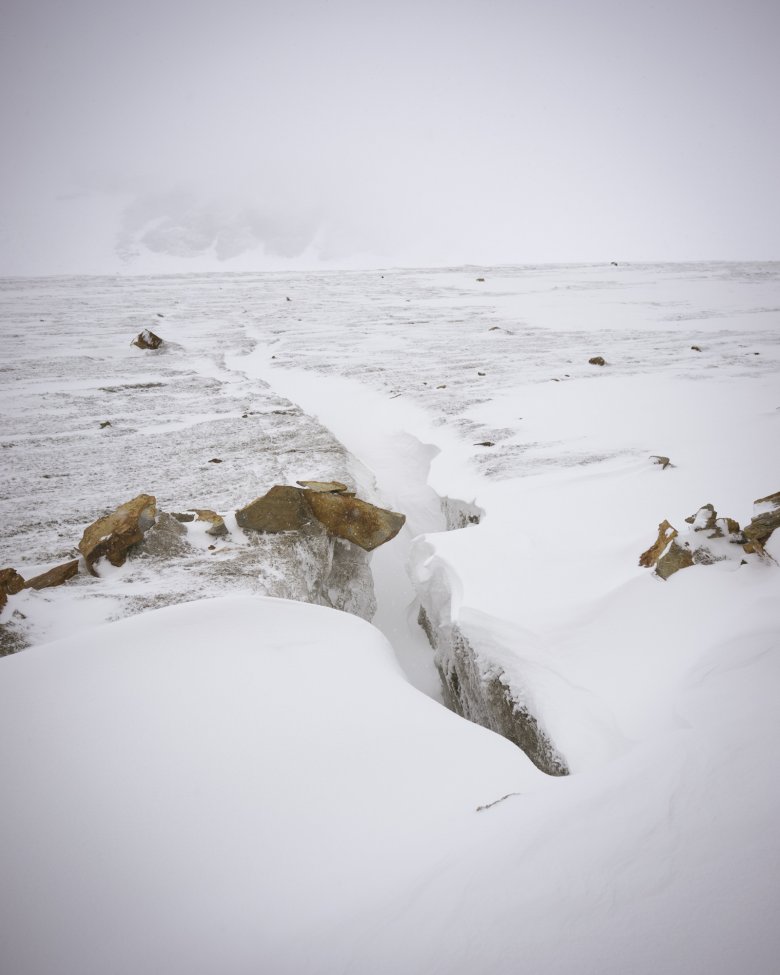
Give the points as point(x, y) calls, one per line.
point(678, 557)
point(665, 554)
point(706, 520)
point(285, 509)
point(10, 584)
point(112, 535)
point(357, 521)
point(146, 339)
point(57, 576)
point(282, 509)
point(666, 533)
point(766, 518)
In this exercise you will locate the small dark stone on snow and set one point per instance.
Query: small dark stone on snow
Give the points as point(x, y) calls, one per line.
point(695, 348)
point(215, 460)
point(480, 279)
point(485, 443)
point(597, 360)
point(147, 340)
point(481, 374)
point(104, 424)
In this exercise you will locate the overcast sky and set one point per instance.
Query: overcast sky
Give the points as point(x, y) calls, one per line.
point(282, 133)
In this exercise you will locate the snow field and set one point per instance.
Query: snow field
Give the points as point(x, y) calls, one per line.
point(292, 803)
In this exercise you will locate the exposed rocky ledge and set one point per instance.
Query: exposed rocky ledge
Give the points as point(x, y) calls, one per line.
point(309, 543)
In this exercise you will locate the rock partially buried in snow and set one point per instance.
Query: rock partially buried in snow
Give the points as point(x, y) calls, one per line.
point(112, 535)
point(677, 557)
point(357, 521)
point(282, 509)
point(766, 518)
point(668, 555)
point(666, 534)
point(146, 339)
point(706, 520)
point(597, 360)
point(10, 584)
point(57, 576)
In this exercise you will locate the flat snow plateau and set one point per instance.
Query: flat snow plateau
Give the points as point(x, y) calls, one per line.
point(200, 777)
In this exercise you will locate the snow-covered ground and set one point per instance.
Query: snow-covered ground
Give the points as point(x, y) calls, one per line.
point(244, 783)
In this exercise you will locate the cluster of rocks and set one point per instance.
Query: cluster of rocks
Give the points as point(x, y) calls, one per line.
point(324, 504)
point(712, 539)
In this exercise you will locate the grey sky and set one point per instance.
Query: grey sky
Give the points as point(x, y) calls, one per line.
point(427, 132)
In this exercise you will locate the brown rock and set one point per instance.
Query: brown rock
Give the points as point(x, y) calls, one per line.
point(355, 520)
point(762, 524)
point(665, 535)
point(10, 584)
point(663, 461)
point(597, 360)
point(112, 535)
point(704, 519)
point(54, 577)
point(324, 487)
point(147, 340)
point(218, 527)
point(676, 557)
point(282, 509)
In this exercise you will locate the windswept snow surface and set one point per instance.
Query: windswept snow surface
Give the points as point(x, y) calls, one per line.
point(249, 784)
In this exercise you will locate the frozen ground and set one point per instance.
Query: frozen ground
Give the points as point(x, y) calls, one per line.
point(658, 854)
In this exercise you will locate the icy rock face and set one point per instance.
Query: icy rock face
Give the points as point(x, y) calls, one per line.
point(460, 514)
point(472, 685)
point(474, 690)
point(308, 566)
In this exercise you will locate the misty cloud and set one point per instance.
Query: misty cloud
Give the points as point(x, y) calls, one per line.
point(413, 133)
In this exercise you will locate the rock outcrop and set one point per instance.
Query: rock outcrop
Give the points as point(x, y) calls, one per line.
point(115, 533)
point(712, 539)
